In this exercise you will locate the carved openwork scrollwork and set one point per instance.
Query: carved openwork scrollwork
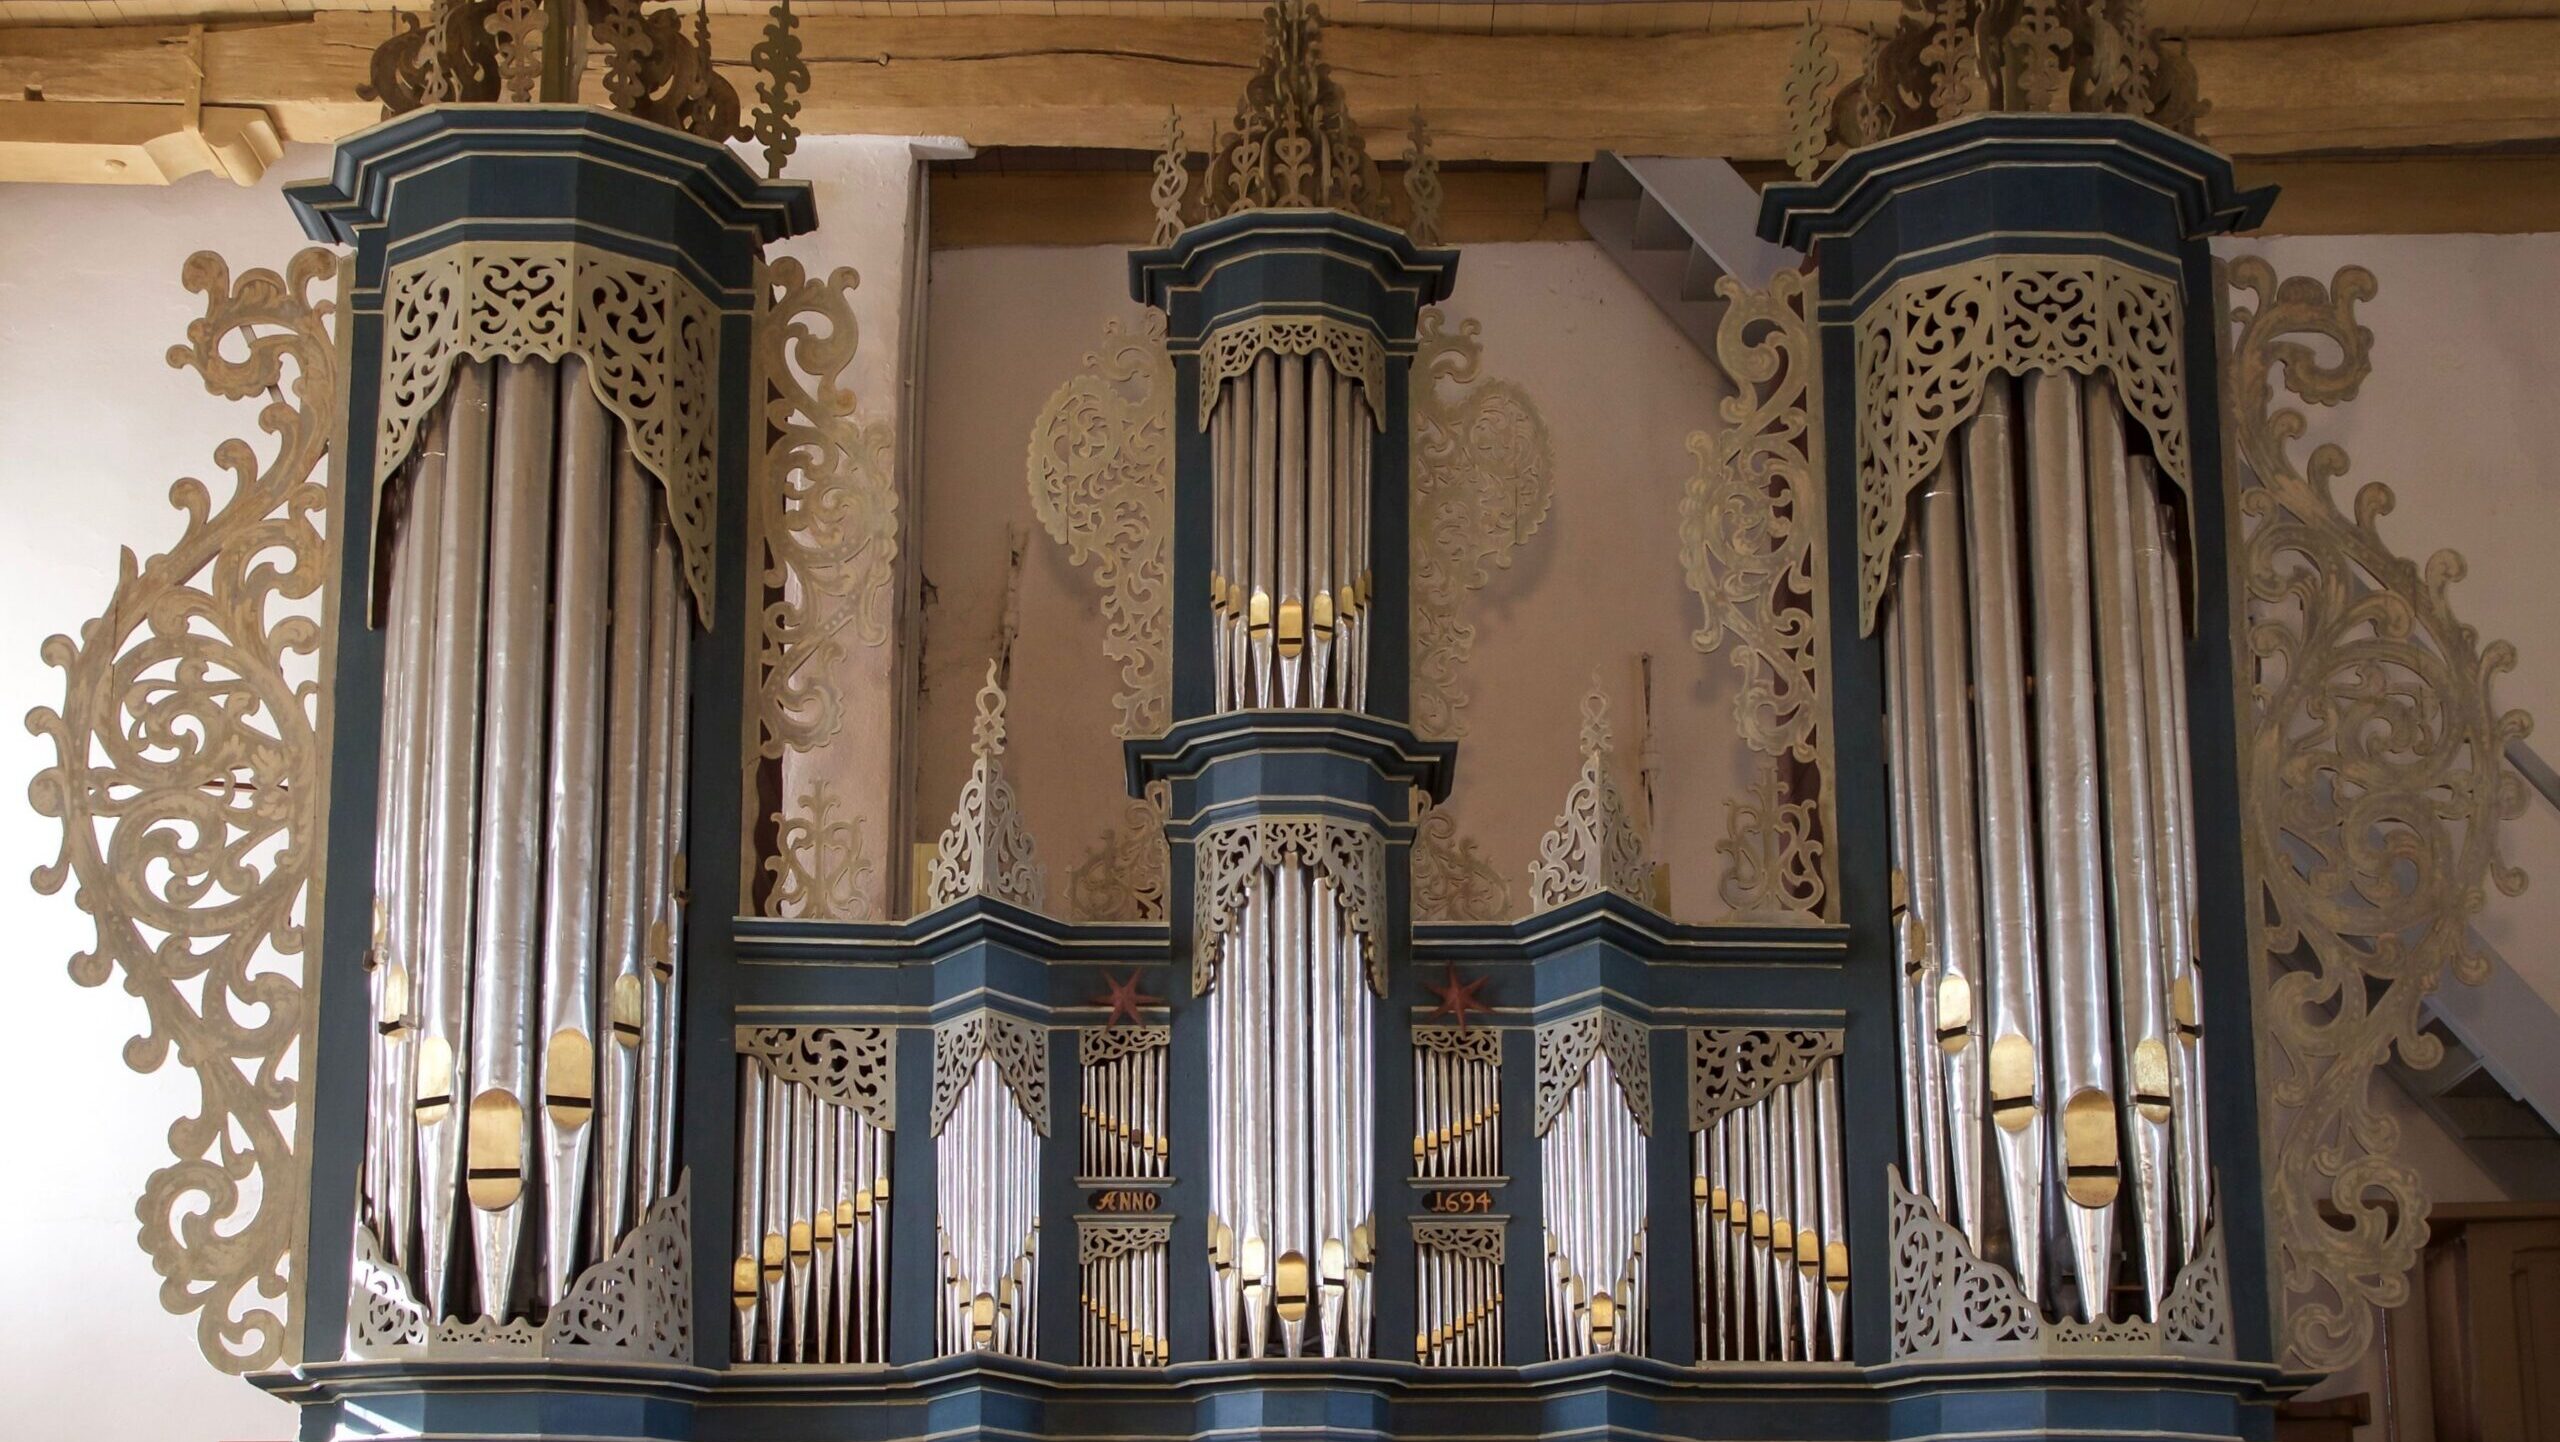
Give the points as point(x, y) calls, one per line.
point(1229, 859)
point(1021, 1053)
point(1483, 480)
point(1925, 345)
point(2374, 783)
point(649, 339)
point(1480, 1239)
point(1101, 474)
point(1565, 1049)
point(1731, 1067)
point(1451, 879)
point(189, 778)
point(1100, 1241)
point(1474, 1043)
point(986, 850)
point(1751, 544)
point(1354, 351)
point(1594, 845)
point(851, 1066)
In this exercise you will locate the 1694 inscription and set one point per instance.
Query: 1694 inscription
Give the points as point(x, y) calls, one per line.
point(1458, 1203)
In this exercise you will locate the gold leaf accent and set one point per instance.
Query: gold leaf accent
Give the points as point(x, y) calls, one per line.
point(2374, 782)
point(1483, 480)
point(1101, 477)
point(189, 775)
point(1751, 545)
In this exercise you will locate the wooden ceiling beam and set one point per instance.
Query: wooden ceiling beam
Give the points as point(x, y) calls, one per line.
point(1106, 81)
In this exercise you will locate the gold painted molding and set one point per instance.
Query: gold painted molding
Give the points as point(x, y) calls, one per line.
point(2373, 784)
point(190, 776)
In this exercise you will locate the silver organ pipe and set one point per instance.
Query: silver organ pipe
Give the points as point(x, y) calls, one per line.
point(1121, 1268)
point(987, 1178)
point(508, 722)
point(1123, 1115)
point(1457, 1129)
point(810, 1280)
point(1290, 439)
point(2042, 810)
point(1458, 1292)
point(1764, 1117)
point(1291, 1224)
point(1592, 1190)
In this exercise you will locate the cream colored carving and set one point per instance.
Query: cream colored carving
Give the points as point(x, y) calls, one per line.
point(1101, 476)
point(850, 1066)
point(1594, 845)
point(1483, 480)
point(2374, 782)
point(1228, 859)
point(1354, 350)
point(650, 340)
point(819, 867)
point(1752, 546)
point(1565, 1049)
point(1451, 879)
point(189, 775)
point(986, 850)
point(1124, 877)
point(1021, 1053)
point(1732, 1067)
point(1924, 346)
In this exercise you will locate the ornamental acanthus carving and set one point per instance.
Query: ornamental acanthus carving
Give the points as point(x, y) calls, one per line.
point(1925, 345)
point(1451, 879)
point(650, 341)
point(986, 850)
point(824, 517)
point(1098, 1044)
point(634, 1306)
point(1732, 1067)
point(1565, 1049)
point(1099, 1240)
point(188, 776)
point(1594, 845)
point(1948, 1301)
point(1751, 545)
point(1101, 477)
point(2373, 782)
point(1021, 1054)
point(1231, 859)
point(1480, 1239)
point(851, 1066)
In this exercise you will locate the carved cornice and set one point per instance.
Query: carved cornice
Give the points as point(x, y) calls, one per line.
point(651, 342)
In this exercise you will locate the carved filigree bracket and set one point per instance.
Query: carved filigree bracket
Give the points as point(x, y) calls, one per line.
point(1021, 1054)
point(1354, 350)
point(1228, 860)
point(851, 1066)
point(650, 340)
point(1565, 1049)
point(1925, 345)
point(1730, 1068)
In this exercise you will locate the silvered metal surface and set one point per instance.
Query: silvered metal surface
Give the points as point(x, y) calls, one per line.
point(1122, 1268)
point(1957, 942)
point(2013, 1019)
point(628, 703)
point(988, 1128)
point(2070, 827)
point(509, 878)
point(1458, 1312)
point(573, 842)
point(1907, 623)
point(1592, 1186)
point(1764, 1119)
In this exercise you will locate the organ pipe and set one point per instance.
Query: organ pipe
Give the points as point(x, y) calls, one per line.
point(512, 866)
point(2042, 812)
point(810, 1282)
point(1290, 455)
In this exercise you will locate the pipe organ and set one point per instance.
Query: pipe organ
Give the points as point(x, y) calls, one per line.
point(1594, 1103)
point(1772, 1212)
point(1985, 477)
point(817, 1110)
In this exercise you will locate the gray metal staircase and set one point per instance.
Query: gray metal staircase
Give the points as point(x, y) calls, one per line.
point(1676, 225)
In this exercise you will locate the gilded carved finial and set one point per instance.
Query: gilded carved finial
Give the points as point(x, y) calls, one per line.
point(1173, 177)
point(786, 77)
point(1947, 59)
point(1422, 183)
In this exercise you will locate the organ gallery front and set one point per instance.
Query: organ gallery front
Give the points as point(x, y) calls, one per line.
point(610, 1124)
